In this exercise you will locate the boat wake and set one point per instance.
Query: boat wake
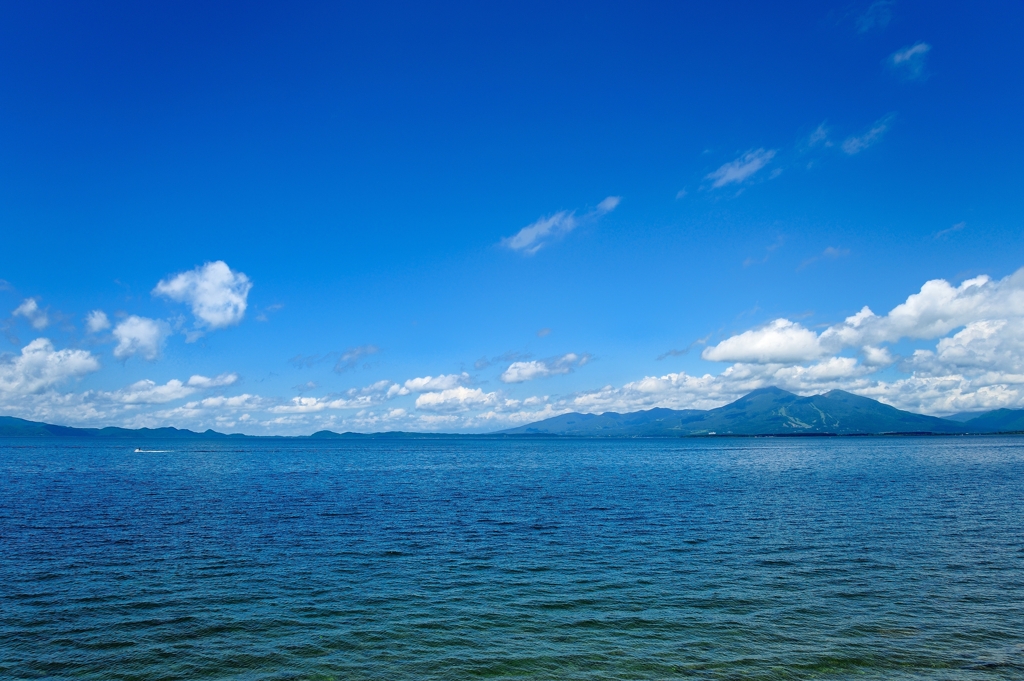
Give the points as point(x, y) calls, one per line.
point(151, 451)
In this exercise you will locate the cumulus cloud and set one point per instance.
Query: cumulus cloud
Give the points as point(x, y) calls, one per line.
point(355, 398)
point(979, 366)
point(97, 321)
point(742, 169)
point(456, 399)
point(217, 295)
point(937, 309)
point(533, 237)
point(140, 336)
point(910, 61)
point(962, 349)
point(148, 392)
point(30, 310)
point(434, 383)
point(519, 372)
point(220, 381)
point(977, 362)
point(858, 143)
point(39, 367)
point(779, 341)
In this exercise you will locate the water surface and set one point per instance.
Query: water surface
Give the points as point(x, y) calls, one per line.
point(824, 558)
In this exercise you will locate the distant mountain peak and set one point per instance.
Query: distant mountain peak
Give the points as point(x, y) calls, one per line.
point(765, 411)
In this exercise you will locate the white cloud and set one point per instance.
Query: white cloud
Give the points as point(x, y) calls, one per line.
point(456, 399)
point(29, 309)
point(434, 383)
point(97, 321)
point(980, 366)
point(533, 237)
point(148, 392)
point(936, 310)
point(910, 60)
point(973, 359)
point(40, 366)
point(356, 398)
point(140, 336)
point(302, 405)
point(218, 295)
point(740, 170)
point(519, 372)
point(858, 143)
point(880, 357)
point(205, 383)
point(780, 341)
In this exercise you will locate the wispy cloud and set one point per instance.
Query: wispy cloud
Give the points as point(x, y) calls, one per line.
point(510, 356)
point(910, 61)
point(520, 372)
point(533, 237)
point(858, 143)
point(877, 16)
point(769, 249)
point(830, 253)
point(819, 137)
point(949, 230)
point(742, 169)
point(685, 351)
point(263, 316)
point(351, 357)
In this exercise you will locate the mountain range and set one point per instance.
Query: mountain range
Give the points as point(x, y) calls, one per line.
point(767, 411)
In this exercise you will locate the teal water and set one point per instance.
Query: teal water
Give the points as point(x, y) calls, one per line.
point(859, 558)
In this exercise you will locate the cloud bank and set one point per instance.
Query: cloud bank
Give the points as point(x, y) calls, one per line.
point(947, 347)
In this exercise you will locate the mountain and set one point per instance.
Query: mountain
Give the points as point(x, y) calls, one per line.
point(768, 411)
point(998, 421)
point(650, 423)
point(14, 427)
point(387, 435)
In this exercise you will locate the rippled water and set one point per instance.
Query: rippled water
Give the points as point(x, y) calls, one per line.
point(720, 559)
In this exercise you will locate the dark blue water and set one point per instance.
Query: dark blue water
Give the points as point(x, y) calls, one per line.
point(712, 559)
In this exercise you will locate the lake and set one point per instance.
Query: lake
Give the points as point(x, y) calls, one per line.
point(813, 558)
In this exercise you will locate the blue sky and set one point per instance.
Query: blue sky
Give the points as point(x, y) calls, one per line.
point(464, 218)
